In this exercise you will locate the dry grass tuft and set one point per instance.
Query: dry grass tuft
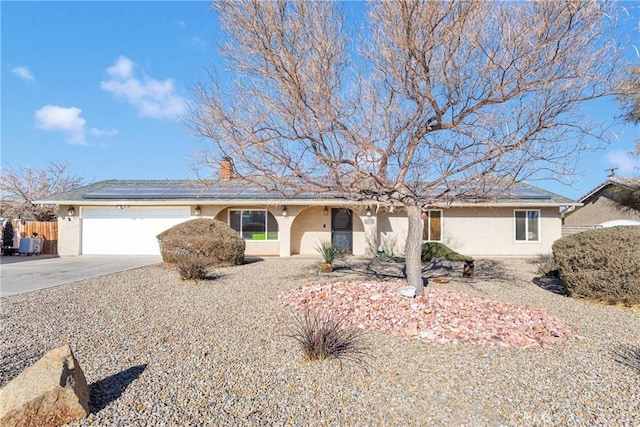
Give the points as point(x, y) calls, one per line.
point(323, 337)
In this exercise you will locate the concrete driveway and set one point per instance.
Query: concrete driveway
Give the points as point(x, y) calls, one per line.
point(34, 274)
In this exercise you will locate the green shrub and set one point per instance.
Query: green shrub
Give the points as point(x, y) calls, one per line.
point(191, 267)
point(601, 264)
point(325, 337)
point(432, 250)
point(212, 241)
point(7, 234)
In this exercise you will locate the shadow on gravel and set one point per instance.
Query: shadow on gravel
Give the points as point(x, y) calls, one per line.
point(107, 390)
point(551, 284)
point(394, 269)
point(490, 269)
point(372, 269)
point(627, 355)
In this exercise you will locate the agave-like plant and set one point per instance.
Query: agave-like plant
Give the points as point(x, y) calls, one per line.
point(329, 253)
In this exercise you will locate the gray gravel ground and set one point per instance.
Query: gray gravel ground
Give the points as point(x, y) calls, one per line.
point(160, 351)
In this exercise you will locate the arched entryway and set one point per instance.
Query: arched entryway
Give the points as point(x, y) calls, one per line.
point(316, 224)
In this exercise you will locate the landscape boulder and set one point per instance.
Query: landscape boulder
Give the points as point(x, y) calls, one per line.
point(51, 392)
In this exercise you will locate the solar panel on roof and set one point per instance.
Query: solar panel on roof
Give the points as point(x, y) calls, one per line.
point(529, 193)
point(243, 190)
point(224, 190)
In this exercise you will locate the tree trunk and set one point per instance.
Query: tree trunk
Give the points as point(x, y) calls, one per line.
point(413, 249)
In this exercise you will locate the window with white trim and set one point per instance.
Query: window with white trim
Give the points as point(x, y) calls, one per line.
point(254, 225)
point(432, 230)
point(527, 225)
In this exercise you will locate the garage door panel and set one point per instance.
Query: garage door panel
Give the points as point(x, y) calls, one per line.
point(112, 212)
point(130, 231)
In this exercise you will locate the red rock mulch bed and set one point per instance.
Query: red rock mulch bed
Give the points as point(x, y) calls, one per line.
point(441, 316)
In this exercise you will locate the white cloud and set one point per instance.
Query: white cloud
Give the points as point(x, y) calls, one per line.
point(625, 162)
point(122, 68)
point(104, 132)
point(152, 98)
point(24, 73)
point(67, 120)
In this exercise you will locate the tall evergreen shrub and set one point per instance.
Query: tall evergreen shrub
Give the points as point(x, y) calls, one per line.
point(8, 233)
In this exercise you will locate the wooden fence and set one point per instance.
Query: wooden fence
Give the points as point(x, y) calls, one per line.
point(48, 230)
point(569, 230)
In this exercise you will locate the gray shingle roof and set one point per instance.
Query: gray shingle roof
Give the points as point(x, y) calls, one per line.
point(615, 181)
point(238, 189)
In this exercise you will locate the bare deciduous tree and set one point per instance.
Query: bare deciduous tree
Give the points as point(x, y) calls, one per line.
point(429, 103)
point(628, 196)
point(629, 97)
point(20, 186)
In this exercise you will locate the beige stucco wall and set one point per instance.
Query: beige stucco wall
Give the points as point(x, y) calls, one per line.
point(310, 227)
point(598, 210)
point(476, 231)
point(359, 242)
point(69, 237)
point(491, 231)
point(472, 231)
point(392, 232)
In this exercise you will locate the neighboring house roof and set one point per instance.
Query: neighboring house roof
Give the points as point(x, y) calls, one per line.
point(172, 192)
point(612, 181)
point(601, 191)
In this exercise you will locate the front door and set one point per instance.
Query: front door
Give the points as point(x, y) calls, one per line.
point(342, 229)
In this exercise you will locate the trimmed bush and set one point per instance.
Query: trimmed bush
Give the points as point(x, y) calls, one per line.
point(432, 250)
point(601, 264)
point(212, 242)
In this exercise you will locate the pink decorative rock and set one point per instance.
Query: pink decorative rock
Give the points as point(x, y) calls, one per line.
point(441, 316)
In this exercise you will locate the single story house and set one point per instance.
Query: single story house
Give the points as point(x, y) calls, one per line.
point(598, 209)
point(124, 217)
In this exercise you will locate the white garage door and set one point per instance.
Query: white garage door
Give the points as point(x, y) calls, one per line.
point(130, 231)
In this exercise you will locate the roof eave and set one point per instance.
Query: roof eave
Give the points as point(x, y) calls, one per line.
point(290, 202)
point(515, 204)
point(207, 202)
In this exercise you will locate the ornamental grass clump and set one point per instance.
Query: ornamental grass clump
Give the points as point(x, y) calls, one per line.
point(545, 265)
point(627, 355)
point(323, 337)
point(191, 267)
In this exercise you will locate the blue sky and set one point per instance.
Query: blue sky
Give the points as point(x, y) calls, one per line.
point(102, 85)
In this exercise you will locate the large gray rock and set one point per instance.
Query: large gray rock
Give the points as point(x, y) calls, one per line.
point(51, 392)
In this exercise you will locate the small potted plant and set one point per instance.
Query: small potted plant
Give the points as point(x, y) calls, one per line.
point(329, 253)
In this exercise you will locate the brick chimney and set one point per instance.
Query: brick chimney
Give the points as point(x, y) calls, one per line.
point(226, 169)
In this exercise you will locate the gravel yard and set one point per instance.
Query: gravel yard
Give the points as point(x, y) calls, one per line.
point(159, 351)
